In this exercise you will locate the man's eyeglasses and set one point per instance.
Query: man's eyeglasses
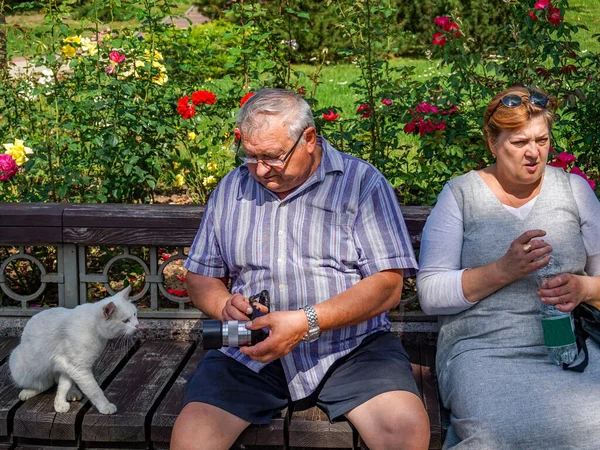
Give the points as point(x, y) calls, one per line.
point(514, 100)
point(269, 162)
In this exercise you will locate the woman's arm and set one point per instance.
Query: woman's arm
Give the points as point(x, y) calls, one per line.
point(567, 291)
point(439, 277)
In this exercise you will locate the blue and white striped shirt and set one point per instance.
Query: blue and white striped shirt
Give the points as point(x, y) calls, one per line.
point(342, 225)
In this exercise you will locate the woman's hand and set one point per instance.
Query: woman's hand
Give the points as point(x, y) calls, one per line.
point(525, 255)
point(565, 291)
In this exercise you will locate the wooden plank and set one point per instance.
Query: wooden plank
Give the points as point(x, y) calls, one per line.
point(170, 406)
point(30, 235)
point(311, 428)
point(31, 214)
point(136, 390)
point(133, 216)
point(129, 236)
point(430, 394)
point(414, 356)
point(6, 346)
point(9, 399)
point(36, 418)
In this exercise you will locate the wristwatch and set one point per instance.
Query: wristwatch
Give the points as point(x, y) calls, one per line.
point(313, 324)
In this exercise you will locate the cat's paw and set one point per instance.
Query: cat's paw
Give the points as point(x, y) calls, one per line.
point(108, 408)
point(61, 406)
point(26, 394)
point(74, 395)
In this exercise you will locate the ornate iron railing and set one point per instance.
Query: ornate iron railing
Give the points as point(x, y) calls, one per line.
point(71, 250)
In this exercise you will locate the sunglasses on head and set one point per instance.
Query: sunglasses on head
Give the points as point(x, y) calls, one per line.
point(514, 100)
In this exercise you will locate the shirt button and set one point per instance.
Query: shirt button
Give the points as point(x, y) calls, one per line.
point(279, 260)
point(281, 286)
point(280, 233)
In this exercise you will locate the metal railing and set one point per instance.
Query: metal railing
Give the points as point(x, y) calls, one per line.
point(74, 247)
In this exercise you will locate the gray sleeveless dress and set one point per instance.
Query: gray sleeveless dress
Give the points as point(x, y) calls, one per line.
point(492, 367)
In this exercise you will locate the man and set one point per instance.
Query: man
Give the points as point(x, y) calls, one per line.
point(323, 233)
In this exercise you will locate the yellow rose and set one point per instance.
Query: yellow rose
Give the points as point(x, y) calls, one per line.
point(175, 165)
point(89, 47)
point(209, 182)
point(211, 166)
point(160, 79)
point(73, 39)
point(179, 180)
point(18, 151)
point(68, 51)
point(191, 135)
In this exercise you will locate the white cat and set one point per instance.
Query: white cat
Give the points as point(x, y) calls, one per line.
point(61, 345)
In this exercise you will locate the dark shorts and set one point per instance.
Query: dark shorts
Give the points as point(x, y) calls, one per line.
point(379, 364)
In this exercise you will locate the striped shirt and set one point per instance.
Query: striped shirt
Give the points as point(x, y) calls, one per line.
point(340, 226)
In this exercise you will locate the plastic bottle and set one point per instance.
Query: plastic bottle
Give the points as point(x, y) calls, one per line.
point(558, 326)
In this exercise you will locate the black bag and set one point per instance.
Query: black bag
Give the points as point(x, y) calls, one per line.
point(587, 325)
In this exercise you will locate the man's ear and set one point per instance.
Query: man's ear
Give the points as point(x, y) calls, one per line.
point(109, 310)
point(310, 136)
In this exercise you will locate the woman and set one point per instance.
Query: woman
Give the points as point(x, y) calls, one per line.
point(489, 232)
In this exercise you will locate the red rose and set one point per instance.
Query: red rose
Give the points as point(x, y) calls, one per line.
point(439, 39)
point(411, 127)
point(184, 108)
point(331, 116)
point(203, 97)
point(451, 26)
point(238, 134)
point(533, 15)
point(246, 97)
point(554, 16)
point(386, 102)
point(8, 167)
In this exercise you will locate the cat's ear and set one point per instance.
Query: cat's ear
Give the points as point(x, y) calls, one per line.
point(125, 293)
point(109, 310)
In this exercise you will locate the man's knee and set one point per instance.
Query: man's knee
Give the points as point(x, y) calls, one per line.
point(394, 419)
point(200, 425)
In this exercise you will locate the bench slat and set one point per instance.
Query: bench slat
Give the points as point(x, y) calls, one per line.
point(9, 399)
point(6, 346)
point(311, 428)
point(135, 391)
point(36, 418)
point(170, 407)
point(430, 394)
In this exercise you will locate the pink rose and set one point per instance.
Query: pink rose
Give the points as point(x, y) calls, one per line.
point(426, 108)
point(411, 127)
point(386, 102)
point(8, 167)
point(116, 57)
point(541, 4)
point(441, 21)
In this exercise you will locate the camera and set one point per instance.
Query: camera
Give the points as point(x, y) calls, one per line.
point(233, 333)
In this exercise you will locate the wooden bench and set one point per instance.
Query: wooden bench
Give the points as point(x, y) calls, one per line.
point(146, 378)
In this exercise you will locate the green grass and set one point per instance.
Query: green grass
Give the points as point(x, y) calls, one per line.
point(586, 12)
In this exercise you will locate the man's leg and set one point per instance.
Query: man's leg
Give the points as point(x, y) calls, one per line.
point(373, 387)
point(392, 420)
point(222, 397)
point(201, 423)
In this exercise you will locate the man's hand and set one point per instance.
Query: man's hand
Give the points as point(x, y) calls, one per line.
point(286, 330)
point(237, 307)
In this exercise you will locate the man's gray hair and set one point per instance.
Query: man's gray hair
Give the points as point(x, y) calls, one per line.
point(288, 106)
